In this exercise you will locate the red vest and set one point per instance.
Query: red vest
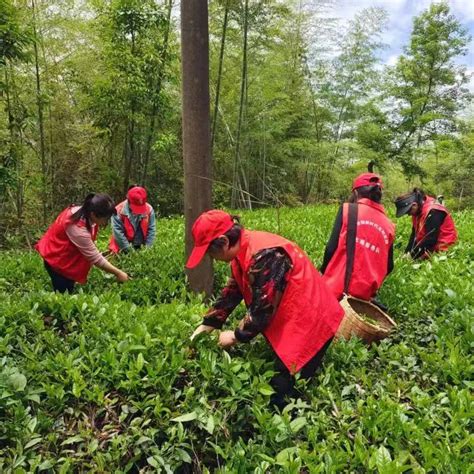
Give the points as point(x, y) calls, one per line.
point(374, 237)
point(447, 233)
point(128, 227)
point(307, 316)
point(60, 253)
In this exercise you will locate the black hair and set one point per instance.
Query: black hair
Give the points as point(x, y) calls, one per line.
point(101, 205)
point(133, 186)
point(233, 234)
point(420, 196)
point(418, 193)
point(372, 192)
point(417, 196)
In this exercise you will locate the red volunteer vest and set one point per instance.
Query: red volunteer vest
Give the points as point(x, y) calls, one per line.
point(447, 233)
point(308, 314)
point(60, 253)
point(374, 236)
point(128, 227)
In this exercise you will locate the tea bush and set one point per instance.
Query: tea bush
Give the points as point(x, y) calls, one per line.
point(106, 380)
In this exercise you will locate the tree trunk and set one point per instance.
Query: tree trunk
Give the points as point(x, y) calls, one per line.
point(12, 159)
point(236, 183)
point(196, 129)
point(39, 102)
point(151, 129)
point(19, 143)
point(219, 75)
point(264, 165)
point(131, 152)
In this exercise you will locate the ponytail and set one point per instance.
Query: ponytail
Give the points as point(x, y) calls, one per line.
point(101, 205)
point(372, 192)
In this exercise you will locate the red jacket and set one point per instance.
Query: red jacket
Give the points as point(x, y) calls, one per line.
point(308, 314)
point(60, 253)
point(128, 227)
point(447, 233)
point(374, 237)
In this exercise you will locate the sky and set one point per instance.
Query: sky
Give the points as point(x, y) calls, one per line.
point(400, 21)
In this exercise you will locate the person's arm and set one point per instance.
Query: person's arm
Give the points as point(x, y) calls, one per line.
point(433, 224)
point(119, 274)
point(82, 239)
point(390, 260)
point(333, 241)
point(228, 300)
point(118, 232)
point(150, 238)
point(268, 278)
point(217, 315)
point(411, 241)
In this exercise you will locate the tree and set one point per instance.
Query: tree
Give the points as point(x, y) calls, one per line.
point(40, 105)
point(426, 89)
point(15, 41)
point(196, 129)
point(344, 86)
point(127, 93)
point(219, 72)
point(450, 163)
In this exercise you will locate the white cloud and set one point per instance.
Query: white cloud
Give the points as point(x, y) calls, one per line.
point(463, 9)
point(400, 23)
point(470, 85)
point(392, 60)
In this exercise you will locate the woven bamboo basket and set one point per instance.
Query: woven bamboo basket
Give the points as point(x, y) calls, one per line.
point(354, 325)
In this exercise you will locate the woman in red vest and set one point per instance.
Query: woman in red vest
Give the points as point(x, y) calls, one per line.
point(285, 297)
point(372, 244)
point(134, 224)
point(68, 247)
point(433, 227)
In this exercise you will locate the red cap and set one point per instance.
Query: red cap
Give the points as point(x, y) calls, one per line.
point(207, 227)
point(137, 200)
point(367, 179)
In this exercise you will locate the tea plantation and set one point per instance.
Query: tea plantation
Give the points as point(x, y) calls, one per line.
point(106, 380)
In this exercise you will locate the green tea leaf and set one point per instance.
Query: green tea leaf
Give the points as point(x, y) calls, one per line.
point(18, 381)
point(72, 440)
point(185, 418)
point(140, 362)
point(210, 424)
point(33, 442)
point(266, 390)
point(297, 424)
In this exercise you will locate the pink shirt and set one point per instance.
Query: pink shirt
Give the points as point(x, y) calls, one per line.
point(81, 238)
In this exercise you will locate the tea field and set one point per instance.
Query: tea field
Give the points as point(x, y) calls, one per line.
point(106, 380)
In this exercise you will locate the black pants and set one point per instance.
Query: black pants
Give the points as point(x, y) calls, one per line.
point(379, 304)
point(284, 383)
point(60, 283)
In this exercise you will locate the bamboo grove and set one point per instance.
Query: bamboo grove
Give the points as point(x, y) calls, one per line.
point(91, 100)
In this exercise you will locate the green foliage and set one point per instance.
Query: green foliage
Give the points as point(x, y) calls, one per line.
point(14, 38)
point(427, 85)
point(106, 380)
point(316, 109)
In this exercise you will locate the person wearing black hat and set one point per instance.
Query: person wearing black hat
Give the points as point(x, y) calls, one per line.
point(433, 227)
point(359, 253)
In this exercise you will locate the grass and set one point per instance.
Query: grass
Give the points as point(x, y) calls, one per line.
point(106, 380)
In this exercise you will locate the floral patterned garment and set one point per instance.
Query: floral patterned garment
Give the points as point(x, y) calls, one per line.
point(268, 277)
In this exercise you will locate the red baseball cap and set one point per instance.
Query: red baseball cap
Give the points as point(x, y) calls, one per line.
point(137, 200)
point(367, 179)
point(207, 227)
